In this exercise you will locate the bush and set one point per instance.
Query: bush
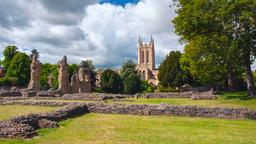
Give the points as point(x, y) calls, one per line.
point(146, 87)
point(10, 81)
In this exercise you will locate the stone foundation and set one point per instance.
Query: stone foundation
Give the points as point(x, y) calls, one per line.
point(26, 126)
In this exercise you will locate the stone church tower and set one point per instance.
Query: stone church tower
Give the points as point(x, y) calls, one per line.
point(146, 61)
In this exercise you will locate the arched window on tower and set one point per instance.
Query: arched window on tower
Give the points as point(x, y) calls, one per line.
point(147, 57)
point(142, 57)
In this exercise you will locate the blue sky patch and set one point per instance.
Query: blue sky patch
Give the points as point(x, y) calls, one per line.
point(119, 2)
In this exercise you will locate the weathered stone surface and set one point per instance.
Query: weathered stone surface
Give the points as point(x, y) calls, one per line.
point(75, 83)
point(143, 109)
point(169, 95)
point(9, 94)
point(28, 93)
point(46, 94)
point(35, 68)
point(203, 95)
point(84, 76)
point(26, 126)
point(93, 96)
point(45, 123)
point(63, 77)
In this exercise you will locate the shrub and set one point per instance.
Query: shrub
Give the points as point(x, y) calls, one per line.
point(10, 81)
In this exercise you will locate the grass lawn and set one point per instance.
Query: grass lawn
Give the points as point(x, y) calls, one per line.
point(7, 111)
point(126, 129)
point(239, 99)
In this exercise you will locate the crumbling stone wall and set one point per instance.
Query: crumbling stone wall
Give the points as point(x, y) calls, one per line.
point(153, 109)
point(35, 68)
point(63, 77)
point(26, 126)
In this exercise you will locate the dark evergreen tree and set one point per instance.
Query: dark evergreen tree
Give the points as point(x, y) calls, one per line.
point(111, 82)
point(132, 84)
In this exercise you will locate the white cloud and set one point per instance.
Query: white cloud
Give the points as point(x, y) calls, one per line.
point(114, 30)
point(105, 33)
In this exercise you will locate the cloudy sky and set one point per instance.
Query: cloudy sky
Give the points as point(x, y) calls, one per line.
point(105, 31)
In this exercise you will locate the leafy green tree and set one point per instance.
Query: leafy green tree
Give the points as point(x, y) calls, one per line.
point(8, 53)
point(146, 87)
point(72, 69)
point(170, 71)
point(34, 52)
point(20, 67)
point(128, 68)
point(111, 82)
point(229, 28)
point(48, 70)
point(132, 84)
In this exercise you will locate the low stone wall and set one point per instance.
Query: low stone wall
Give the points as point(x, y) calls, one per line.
point(195, 95)
point(163, 109)
point(93, 96)
point(170, 95)
point(26, 126)
point(152, 109)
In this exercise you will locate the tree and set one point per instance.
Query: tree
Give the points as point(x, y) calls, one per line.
point(35, 53)
point(72, 69)
point(8, 53)
point(20, 67)
point(132, 84)
point(87, 64)
point(170, 72)
point(229, 27)
point(205, 66)
point(111, 82)
point(49, 70)
point(128, 68)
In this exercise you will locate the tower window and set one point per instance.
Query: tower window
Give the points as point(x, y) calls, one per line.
point(142, 58)
point(147, 57)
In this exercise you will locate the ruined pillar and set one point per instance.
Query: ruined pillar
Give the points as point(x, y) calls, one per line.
point(35, 68)
point(63, 77)
point(85, 80)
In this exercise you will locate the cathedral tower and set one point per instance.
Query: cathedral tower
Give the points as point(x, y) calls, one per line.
point(146, 61)
point(146, 54)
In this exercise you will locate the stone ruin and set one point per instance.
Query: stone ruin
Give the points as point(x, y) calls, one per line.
point(64, 86)
point(35, 68)
point(81, 82)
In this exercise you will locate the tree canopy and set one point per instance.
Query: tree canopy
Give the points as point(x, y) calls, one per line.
point(224, 34)
point(20, 68)
point(111, 82)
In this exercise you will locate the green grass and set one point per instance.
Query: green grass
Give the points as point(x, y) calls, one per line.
point(234, 100)
point(126, 129)
point(7, 111)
